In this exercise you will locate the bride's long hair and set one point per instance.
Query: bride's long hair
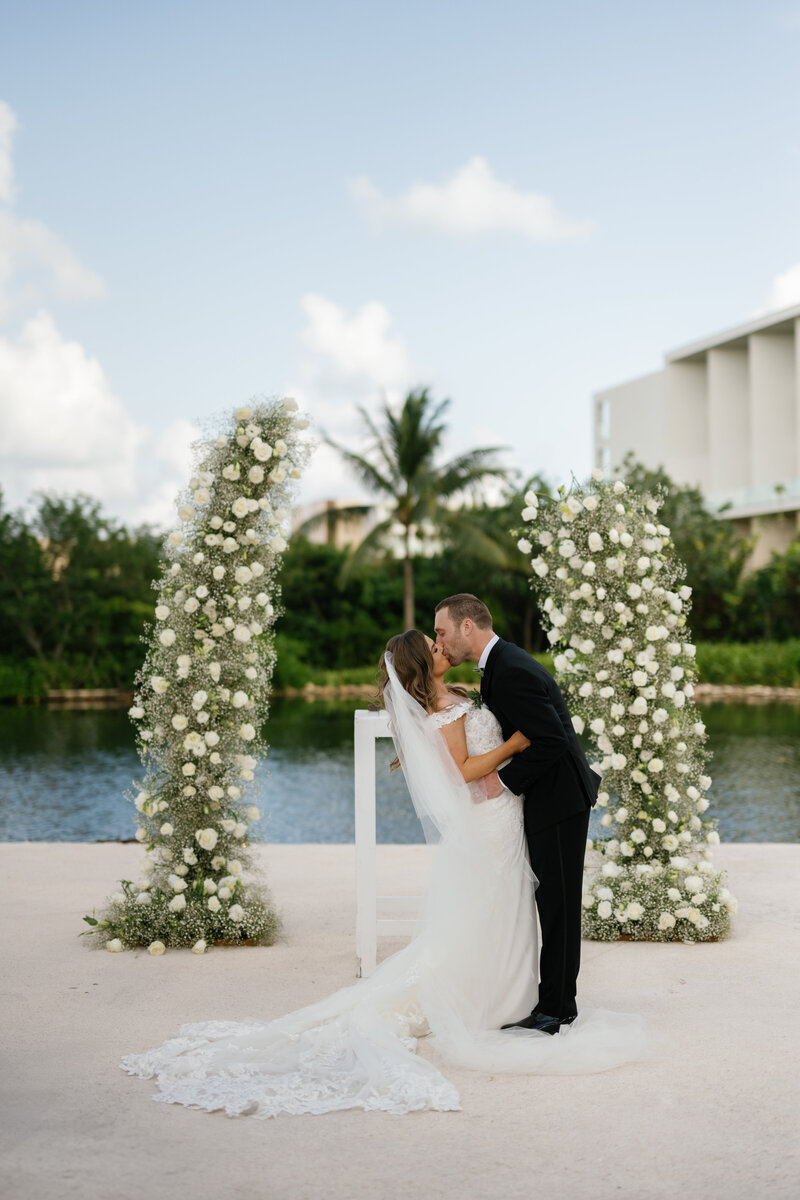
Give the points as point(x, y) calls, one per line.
point(413, 663)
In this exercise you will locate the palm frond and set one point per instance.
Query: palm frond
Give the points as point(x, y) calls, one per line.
point(467, 536)
point(371, 544)
point(368, 474)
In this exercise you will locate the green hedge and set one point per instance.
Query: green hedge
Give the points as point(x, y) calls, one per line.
point(771, 664)
point(291, 671)
point(21, 681)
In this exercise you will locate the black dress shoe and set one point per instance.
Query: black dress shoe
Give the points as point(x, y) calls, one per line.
point(541, 1022)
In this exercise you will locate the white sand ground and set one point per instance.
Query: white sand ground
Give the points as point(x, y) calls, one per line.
point(714, 1115)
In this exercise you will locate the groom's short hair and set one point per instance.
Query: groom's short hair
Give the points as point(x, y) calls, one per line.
point(464, 605)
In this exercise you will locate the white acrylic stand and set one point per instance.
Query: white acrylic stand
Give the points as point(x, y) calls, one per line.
point(368, 726)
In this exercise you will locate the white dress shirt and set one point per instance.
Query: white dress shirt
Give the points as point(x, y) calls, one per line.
point(487, 649)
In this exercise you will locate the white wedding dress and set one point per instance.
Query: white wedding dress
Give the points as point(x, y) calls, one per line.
point(470, 969)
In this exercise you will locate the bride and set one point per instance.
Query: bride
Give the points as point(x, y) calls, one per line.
point(471, 969)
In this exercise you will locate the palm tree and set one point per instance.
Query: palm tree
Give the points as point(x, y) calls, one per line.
point(400, 466)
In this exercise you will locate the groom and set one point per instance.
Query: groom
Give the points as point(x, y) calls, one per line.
point(557, 782)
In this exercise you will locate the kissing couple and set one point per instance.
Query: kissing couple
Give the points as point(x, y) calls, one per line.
point(505, 791)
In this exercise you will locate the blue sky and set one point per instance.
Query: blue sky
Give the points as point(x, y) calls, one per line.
point(516, 204)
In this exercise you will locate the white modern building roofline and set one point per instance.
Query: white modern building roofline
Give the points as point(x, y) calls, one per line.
point(780, 322)
point(722, 414)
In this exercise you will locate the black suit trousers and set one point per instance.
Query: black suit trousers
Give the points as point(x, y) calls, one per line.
point(556, 855)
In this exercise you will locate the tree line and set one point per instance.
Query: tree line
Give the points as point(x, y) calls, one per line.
point(75, 588)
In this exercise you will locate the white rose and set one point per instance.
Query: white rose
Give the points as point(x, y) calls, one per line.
point(213, 904)
point(236, 913)
point(619, 487)
point(590, 503)
point(666, 921)
point(166, 830)
point(604, 909)
point(240, 699)
point(619, 762)
point(179, 721)
point(595, 541)
point(207, 838)
point(156, 948)
point(634, 912)
point(114, 946)
point(713, 838)
point(241, 633)
point(167, 637)
point(524, 546)
point(247, 732)
point(162, 612)
point(529, 514)
point(177, 903)
point(211, 737)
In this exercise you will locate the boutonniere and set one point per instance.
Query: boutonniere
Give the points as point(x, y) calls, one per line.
point(475, 697)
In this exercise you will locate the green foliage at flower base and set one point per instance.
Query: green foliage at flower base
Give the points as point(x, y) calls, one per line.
point(137, 924)
point(202, 694)
point(609, 584)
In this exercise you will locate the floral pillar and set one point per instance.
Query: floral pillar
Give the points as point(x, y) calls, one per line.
point(202, 694)
point(610, 587)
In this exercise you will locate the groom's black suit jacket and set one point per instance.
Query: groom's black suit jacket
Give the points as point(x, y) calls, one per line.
point(552, 773)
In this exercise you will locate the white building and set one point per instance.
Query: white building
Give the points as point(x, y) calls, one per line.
point(332, 525)
point(722, 414)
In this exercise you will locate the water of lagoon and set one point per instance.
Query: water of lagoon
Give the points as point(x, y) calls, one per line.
point(63, 774)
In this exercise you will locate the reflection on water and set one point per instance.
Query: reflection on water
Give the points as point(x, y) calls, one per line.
point(62, 775)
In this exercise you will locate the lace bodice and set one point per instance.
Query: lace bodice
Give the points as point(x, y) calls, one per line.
point(503, 815)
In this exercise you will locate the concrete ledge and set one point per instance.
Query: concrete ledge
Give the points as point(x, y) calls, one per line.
point(714, 1115)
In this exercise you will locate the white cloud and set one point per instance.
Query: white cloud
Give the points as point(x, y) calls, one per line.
point(354, 352)
point(8, 125)
point(35, 264)
point(785, 289)
point(63, 429)
point(347, 360)
point(472, 202)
